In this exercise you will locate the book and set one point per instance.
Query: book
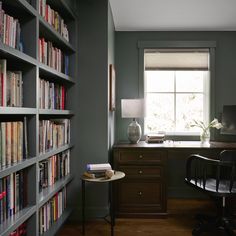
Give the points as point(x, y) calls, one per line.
point(155, 138)
point(3, 63)
point(98, 167)
point(51, 211)
point(25, 139)
point(94, 175)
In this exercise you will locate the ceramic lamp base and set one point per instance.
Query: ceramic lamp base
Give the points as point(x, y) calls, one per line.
point(134, 132)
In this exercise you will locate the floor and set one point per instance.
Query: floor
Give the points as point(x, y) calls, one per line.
point(179, 222)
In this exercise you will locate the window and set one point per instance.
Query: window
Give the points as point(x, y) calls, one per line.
point(176, 89)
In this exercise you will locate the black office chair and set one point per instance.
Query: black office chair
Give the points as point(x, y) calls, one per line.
point(217, 178)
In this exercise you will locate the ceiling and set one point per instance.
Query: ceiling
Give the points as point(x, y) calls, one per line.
point(174, 15)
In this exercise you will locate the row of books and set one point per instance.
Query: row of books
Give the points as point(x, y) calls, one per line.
point(51, 211)
point(9, 29)
point(11, 89)
point(12, 194)
point(53, 18)
point(53, 56)
point(51, 95)
point(53, 134)
point(13, 142)
point(20, 231)
point(53, 169)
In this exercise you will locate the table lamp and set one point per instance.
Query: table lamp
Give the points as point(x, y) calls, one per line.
point(133, 108)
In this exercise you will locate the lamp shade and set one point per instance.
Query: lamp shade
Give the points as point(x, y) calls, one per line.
point(132, 108)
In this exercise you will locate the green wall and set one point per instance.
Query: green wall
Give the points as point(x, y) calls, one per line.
point(94, 124)
point(127, 69)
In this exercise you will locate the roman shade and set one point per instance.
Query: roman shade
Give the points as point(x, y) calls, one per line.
point(176, 59)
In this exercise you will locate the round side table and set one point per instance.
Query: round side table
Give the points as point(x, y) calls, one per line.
point(117, 176)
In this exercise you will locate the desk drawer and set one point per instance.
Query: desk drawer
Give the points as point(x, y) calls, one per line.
point(141, 197)
point(142, 171)
point(141, 157)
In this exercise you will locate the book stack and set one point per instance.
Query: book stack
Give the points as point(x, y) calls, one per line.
point(54, 19)
point(53, 134)
point(155, 138)
point(51, 211)
point(53, 169)
point(11, 90)
point(51, 95)
point(9, 30)
point(97, 170)
point(13, 142)
point(53, 56)
point(12, 194)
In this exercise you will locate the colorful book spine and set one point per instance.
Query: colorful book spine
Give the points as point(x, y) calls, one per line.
point(20, 231)
point(54, 19)
point(53, 134)
point(53, 56)
point(13, 142)
point(51, 95)
point(11, 86)
point(52, 211)
point(53, 169)
point(10, 30)
point(12, 194)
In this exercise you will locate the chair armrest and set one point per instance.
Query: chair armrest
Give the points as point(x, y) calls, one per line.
point(200, 169)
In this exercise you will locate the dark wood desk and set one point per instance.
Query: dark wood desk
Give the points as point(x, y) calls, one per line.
point(155, 172)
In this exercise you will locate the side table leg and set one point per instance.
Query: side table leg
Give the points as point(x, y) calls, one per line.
point(112, 213)
point(83, 206)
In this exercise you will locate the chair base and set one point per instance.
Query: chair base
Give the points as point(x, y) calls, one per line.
point(209, 223)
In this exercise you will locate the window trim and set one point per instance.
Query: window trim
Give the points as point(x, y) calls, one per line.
point(211, 45)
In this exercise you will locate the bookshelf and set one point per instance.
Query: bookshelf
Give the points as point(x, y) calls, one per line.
point(33, 26)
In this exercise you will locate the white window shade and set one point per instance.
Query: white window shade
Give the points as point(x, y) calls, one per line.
point(173, 59)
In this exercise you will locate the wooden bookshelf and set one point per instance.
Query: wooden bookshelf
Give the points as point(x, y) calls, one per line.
point(33, 26)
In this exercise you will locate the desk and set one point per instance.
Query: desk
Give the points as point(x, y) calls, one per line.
point(118, 175)
point(155, 172)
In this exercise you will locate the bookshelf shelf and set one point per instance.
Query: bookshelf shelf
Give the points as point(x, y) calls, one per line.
point(17, 111)
point(52, 35)
point(45, 73)
point(12, 223)
point(46, 69)
point(27, 7)
point(49, 192)
point(17, 166)
point(56, 226)
point(12, 53)
point(21, 6)
point(54, 152)
point(26, 63)
point(55, 112)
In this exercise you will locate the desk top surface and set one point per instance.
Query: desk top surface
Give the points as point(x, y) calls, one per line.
point(177, 144)
point(118, 175)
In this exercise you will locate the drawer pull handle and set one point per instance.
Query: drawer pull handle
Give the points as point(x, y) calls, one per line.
point(140, 156)
point(140, 172)
point(140, 193)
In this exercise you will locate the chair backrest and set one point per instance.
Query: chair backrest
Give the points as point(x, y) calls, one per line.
point(221, 172)
point(228, 155)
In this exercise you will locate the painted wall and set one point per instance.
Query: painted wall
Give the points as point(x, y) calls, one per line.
point(111, 60)
point(127, 69)
point(94, 132)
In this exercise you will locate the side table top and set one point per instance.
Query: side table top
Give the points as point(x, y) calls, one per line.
point(117, 175)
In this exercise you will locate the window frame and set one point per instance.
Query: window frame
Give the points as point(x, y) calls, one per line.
point(211, 45)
